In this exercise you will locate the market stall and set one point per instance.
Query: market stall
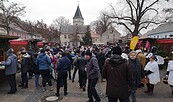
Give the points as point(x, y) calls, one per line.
point(4, 46)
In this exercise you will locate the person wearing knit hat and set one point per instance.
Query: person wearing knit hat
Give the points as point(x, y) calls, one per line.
point(116, 50)
point(93, 74)
point(117, 71)
point(88, 52)
point(11, 70)
point(10, 51)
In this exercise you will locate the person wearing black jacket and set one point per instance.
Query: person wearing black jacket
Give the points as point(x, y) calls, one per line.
point(137, 73)
point(93, 73)
point(62, 69)
point(101, 60)
point(119, 77)
point(25, 64)
point(81, 62)
point(71, 61)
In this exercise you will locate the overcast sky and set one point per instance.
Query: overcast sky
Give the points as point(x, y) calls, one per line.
point(52, 9)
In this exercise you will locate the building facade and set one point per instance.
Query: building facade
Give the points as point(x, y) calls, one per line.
point(95, 38)
point(164, 31)
point(71, 35)
point(111, 36)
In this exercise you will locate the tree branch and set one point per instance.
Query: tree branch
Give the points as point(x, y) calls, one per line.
point(148, 7)
point(121, 23)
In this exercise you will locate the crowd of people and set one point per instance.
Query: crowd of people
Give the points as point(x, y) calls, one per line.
point(122, 74)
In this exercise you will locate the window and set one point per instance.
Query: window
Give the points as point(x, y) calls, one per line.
point(69, 36)
point(12, 34)
point(65, 36)
point(165, 36)
point(157, 36)
point(107, 37)
point(68, 43)
point(65, 43)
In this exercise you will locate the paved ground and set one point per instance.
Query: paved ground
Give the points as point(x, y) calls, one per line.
point(161, 93)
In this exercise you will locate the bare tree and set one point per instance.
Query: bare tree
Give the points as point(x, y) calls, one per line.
point(10, 13)
point(74, 37)
point(139, 15)
point(57, 26)
point(102, 24)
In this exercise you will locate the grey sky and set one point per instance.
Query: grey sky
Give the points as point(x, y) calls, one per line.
point(52, 9)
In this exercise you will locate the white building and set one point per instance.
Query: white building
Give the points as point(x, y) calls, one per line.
point(111, 36)
point(163, 31)
point(71, 35)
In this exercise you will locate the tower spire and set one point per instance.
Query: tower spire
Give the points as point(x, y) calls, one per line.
point(78, 2)
point(78, 18)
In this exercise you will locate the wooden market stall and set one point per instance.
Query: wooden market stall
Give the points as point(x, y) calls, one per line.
point(4, 46)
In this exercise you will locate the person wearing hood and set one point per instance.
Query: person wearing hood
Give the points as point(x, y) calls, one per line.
point(93, 74)
point(11, 70)
point(43, 62)
point(119, 77)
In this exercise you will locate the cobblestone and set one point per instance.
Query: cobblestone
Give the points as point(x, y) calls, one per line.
point(162, 93)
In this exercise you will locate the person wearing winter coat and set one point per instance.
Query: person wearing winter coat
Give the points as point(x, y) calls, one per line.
point(169, 75)
point(44, 62)
point(80, 63)
point(101, 60)
point(137, 73)
point(11, 70)
point(151, 70)
point(119, 77)
point(93, 74)
point(25, 64)
point(75, 67)
point(35, 70)
point(62, 68)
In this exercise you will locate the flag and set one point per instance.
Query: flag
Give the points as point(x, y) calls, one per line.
point(147, 46)
point(140, 43)
point(134, 42)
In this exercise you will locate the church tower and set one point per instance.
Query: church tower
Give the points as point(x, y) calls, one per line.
point(78, 19)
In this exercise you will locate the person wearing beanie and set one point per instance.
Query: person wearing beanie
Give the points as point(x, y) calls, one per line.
point(93, 74)
point(118, 75)
point(116, 50)
point(63, 67)
point(11, 70)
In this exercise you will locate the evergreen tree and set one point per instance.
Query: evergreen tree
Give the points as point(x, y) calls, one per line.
point(87, 40)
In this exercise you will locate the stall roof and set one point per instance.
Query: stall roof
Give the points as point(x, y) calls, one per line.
point(165, 41)
point(8, 37)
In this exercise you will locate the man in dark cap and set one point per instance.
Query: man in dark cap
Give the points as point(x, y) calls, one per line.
point(11, 70)
point(62, 69)
point(93, 74)
point(118, 75)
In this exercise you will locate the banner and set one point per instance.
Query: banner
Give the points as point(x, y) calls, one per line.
point(147, 46)
point(134, 42)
